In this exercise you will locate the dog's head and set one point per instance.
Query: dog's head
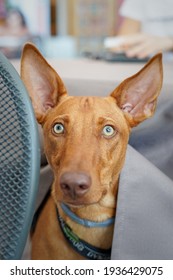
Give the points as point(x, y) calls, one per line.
point(85, 138)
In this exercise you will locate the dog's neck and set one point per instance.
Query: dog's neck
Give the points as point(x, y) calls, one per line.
point(99, 236)
point(87, 250)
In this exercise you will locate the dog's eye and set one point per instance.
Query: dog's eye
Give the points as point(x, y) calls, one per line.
point(58, 128)
point(108, 131)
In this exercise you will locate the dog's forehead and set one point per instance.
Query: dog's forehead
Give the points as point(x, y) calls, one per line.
point(88, 104)
point(88, 110)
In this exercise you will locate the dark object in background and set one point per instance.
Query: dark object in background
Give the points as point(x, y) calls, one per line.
point(113, 57)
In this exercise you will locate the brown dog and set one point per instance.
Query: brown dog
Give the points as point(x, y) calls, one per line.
point(85, 140)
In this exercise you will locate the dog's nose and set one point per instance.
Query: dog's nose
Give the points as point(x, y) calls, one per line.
point(75, 184)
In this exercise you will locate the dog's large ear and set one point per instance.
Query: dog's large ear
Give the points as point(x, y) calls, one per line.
point(44, 85)
point(137, 95)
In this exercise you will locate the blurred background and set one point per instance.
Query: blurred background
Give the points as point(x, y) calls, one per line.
point(59, 28)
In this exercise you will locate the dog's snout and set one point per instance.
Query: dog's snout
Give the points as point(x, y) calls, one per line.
point(75, 185)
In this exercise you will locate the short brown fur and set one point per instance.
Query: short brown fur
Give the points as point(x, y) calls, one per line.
point(84, 149)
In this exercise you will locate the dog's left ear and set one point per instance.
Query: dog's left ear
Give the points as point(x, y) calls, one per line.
point(137, 95)
point(44, 85)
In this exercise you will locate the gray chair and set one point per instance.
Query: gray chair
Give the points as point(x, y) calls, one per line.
point(19, 162)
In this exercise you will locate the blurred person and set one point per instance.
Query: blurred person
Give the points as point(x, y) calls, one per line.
point(147, 28)
point(13, 33)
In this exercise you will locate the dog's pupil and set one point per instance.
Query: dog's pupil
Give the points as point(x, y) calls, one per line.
point(108, 129)
point(59, 127)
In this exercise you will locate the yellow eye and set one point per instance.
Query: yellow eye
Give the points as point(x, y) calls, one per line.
point(58, 128)
point(108, 131)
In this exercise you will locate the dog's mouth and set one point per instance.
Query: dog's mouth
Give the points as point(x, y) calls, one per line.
point(75, 204)
point(77, 188)
point(83, 202)
point(81, 189)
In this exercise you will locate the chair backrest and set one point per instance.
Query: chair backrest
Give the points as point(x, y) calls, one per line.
point(19, 162)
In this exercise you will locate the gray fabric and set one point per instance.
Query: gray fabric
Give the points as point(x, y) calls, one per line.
point(144, 218)
point(154, 138)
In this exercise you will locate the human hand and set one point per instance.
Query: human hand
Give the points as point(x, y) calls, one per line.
point(142, 45)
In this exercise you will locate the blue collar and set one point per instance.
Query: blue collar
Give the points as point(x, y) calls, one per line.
point(84, 222)
point(80, 246)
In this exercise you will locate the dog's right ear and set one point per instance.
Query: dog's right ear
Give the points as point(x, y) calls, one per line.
point(137, 95)
point(44, 85)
